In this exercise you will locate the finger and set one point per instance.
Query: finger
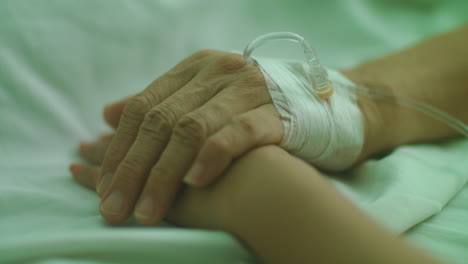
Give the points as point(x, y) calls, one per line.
point(113, 112)
point(188, 136)
point(261, 126)
point(106, 137)
point(85, 175)
point(136, 108)
point(152, 138)
point(93, 152)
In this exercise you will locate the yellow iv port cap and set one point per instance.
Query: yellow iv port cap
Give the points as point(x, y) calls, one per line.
point(325, 92)
point(316, 74)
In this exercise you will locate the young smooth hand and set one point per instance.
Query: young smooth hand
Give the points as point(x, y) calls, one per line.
point(188, 124)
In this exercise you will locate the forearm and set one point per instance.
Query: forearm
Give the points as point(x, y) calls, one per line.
point(434, 72)
point(287, 212)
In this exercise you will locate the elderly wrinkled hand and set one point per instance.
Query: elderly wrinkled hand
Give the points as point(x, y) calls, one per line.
point(194, 207)
point(188, 124)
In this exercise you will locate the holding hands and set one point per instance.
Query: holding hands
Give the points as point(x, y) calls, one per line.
point(188, 125)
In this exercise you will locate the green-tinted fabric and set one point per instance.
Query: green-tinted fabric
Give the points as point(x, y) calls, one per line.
point(61, 61)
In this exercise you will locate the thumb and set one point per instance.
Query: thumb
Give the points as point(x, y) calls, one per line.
point(258, 127)
point(113, 111)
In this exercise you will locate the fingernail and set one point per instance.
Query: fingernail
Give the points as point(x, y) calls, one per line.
point(113, 205)
point(105, 182)
point(145, 209)
point(194, 174)
point(76, 169)
point(84, 146)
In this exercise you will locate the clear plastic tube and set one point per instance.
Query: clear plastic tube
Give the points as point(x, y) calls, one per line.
point(429, 110)
point(317, 75)
point(318, 78)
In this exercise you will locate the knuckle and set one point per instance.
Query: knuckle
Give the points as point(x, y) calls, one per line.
point(200, 87)
point(158, 120)
point(137, 107)
point(174, 75)
point(191, 127)
point(231, 63)
point(204, 53)
point(246, 124)
point(253, 78)
point(205, 86)
point(189, 66)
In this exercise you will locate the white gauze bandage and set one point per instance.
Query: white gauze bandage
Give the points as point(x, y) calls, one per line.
point(329, 135)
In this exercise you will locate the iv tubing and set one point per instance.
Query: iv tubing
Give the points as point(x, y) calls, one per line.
point(429, 110)
point(317, 75)
point(318, 79)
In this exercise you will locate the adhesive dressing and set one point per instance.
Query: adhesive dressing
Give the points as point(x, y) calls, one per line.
point(328, 134)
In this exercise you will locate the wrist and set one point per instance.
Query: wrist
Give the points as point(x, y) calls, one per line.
point(380, 118)
point(421, 73)
point(271, 188)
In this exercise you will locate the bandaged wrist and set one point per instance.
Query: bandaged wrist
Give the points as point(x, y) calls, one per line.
point(328, 134)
